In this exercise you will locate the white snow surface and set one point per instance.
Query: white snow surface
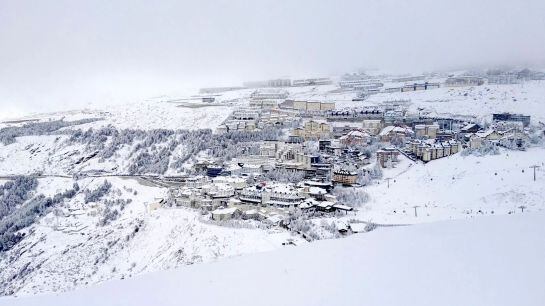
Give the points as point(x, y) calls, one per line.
point(492, 261)
point(387, 267)
point(478, 101)
point(165, 112)
point(69, 250)
point(457, 187)
point(147, 115)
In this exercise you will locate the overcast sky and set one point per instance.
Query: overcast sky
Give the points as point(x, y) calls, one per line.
point(71, 54)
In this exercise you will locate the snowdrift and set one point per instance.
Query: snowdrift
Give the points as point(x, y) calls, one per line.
point(496, 260)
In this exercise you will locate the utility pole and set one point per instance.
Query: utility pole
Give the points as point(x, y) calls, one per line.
point(522, 207)
point(535, 167)
point(388, 180)
point(415, 213)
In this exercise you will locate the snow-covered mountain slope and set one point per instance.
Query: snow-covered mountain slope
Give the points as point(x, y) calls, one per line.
point(69, 248)
point(479, 101)
point(31, 154)
point(172, 112)
point(473, 262)
point(50, 258)
point(109, 150)
point(146, 115)
point(177, 113)
point(55, 155)
point(458, 187)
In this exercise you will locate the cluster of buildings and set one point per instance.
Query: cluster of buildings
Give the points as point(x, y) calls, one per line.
point(269, 93)
point(461, 81)
point(228, 197)
point(431, 149)
point(271, 84)
point(362, 84)
point(307, 106)
point(508, 130)
point(495, 77)
point(313, 130)
point(324, 147)
point(413, 87)
point(284, 82)
point(369, 85)
point(262, 110)
point(501, 77)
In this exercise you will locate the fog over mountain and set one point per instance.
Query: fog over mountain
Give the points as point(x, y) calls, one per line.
point(72, 54)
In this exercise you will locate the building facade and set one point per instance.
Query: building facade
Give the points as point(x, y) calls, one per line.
point(344, 177)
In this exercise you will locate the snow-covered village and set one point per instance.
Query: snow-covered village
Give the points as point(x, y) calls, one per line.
point(364, 186)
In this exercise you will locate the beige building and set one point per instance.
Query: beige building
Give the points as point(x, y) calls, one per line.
point(237, 125)
point(491, 135)
point(392, 132)
point(274, 194)
point(372, 126)
point(300, 105)
point(387, 155)
point(426, 130)
point(225, 213)
point(344, 177)
point(327, 106)
point(313, 129)
point(475, 142)
point(354, 137)
point(429, 150)
point(313, 105)
point(478, 139)
point(263, 103)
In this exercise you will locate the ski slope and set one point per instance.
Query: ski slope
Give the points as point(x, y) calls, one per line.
point(457, 187)
point(472, 262)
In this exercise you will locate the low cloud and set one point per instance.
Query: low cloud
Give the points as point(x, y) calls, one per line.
point(70, 54)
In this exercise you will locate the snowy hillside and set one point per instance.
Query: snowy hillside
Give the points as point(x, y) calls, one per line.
point(482, 262)
point(458, 187)
point(188, 113)
point(68, 248)
point(146, 115)
point(272, 153)
point(56, 237)
point(478, 101)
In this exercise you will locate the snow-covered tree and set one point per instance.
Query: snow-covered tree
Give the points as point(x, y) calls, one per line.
point(376, 171)
point(8, 135)
point(97, 194)
point(286, 176)
point(350, 196)
point(25, 215)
